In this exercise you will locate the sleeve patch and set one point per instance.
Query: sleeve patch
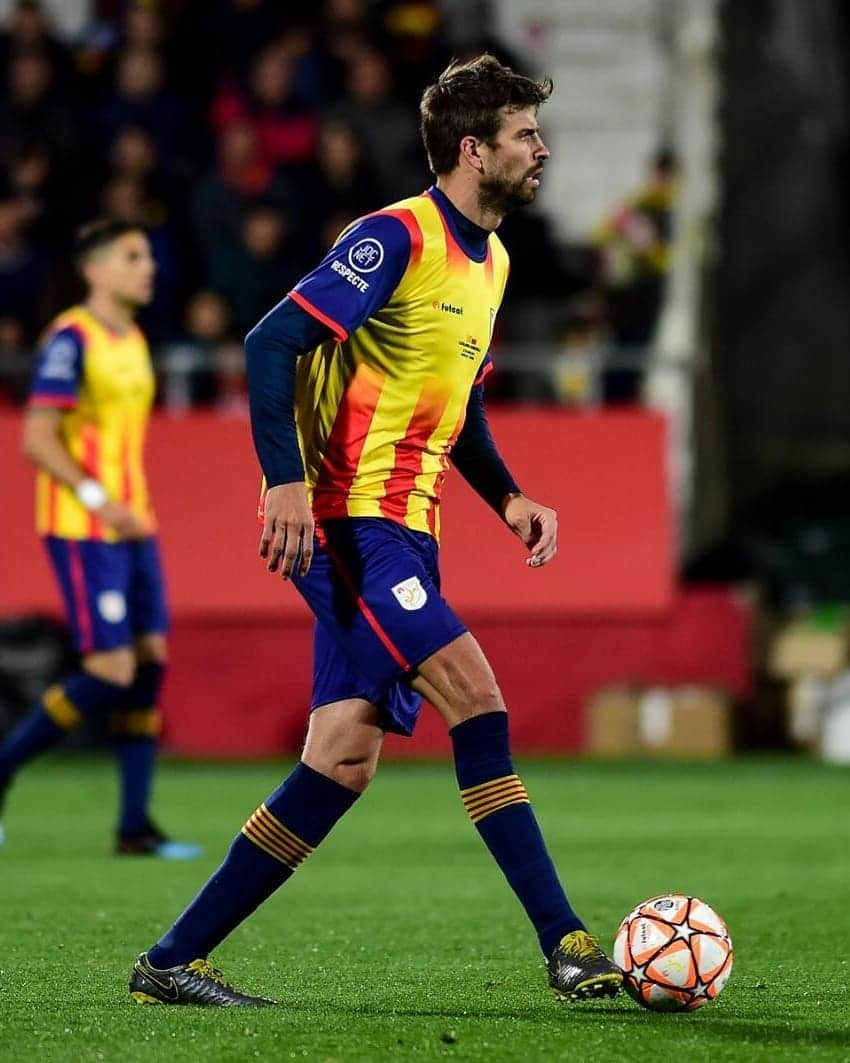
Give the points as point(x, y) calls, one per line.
point(366, 255)
point(60, 366)
point(60, 358)
point(359, 274)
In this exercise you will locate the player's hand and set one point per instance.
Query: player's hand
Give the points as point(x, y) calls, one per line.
point(128, 524)
point(287, 530)
point(536, 525)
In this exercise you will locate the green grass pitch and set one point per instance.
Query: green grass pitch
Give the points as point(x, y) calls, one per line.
point(398, 938)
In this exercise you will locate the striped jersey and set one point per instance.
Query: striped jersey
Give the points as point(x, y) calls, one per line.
point(103, 383)
point(379, 406)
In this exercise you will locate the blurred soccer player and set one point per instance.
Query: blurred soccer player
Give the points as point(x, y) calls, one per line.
point(375, 365)
point(84, 430)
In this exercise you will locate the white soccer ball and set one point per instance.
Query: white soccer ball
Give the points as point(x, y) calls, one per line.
point(675, 952)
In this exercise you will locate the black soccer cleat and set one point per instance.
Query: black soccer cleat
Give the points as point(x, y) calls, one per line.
point(150, 841)
point(580, 970)
point(197, 982)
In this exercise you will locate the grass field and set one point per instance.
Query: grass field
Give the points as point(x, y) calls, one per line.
point(398, 938)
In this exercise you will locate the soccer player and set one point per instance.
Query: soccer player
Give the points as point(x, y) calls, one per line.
point(361, 382)
point(84, 430)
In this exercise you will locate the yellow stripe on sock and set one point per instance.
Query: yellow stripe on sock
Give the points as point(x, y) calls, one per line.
point(470, 791)
point(270, 835)
point(135, 723)
point(60, 709)
point(487, 798)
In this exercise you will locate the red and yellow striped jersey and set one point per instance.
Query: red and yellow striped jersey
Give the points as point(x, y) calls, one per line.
point(379, 406)
point(103, 382)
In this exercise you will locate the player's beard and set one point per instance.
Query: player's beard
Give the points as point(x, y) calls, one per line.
point(500, 195)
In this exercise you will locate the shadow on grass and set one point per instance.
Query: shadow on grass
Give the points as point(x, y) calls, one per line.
point(541, 1013)
point(733, 1027)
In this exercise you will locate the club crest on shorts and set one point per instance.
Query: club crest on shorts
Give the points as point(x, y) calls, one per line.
point(410, 593)
point(112, 606)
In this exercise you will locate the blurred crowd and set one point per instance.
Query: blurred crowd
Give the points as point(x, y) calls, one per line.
point(244, 135)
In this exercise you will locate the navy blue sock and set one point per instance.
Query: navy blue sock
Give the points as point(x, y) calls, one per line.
point(277, 838)
point(61, 708)
point(498, 805)
point(135, 728)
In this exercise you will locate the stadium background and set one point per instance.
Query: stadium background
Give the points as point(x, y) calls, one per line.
point(672, 369)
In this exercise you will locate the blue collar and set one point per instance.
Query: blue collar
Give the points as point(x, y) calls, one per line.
point(471, 237)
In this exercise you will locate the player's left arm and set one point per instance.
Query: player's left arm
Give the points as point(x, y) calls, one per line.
point(477, 458)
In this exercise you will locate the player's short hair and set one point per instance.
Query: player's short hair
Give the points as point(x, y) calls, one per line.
point(96, 234)
point(465, 101)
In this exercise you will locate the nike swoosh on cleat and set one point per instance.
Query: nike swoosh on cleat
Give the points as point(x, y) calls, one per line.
point(169, 988)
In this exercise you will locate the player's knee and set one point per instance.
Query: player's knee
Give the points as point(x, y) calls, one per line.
point(485, 697)
point(113, 666)
point(353, 771)
point(475, 695)
point(356, 774)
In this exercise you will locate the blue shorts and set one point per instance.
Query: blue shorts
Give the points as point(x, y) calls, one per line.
point(374, 587)
point(112, 591)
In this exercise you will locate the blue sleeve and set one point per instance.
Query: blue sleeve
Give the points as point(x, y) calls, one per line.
point(56, 381)
point(357, 276)
point(476, 458)
point(271, 351)
point(485, 369)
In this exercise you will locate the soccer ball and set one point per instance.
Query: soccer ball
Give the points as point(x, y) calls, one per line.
point(675, 952)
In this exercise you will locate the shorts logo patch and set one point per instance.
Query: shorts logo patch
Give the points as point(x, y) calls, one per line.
point(366, 255)
point(411, 594)
point(112, 606)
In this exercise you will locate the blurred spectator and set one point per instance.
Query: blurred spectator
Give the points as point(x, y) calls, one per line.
point(15, 361)
point(386, 128)
point(135, 155)
point(634, 243)
point(241, 178)
point(114, 122)
point(141, 99)
point(126, 197)
point(582, 350)
point(22, 269)
point(207, 365)
point(318, 76)
point(259, 270)
point(29, 30)
point(348, 27)
point(412, 32)
point(333, 226)
point(208, 326)
point(339, 183)
point(53, 204)
point(143, 27)
point(32, 110)
point(286, 130)
point(234, 31)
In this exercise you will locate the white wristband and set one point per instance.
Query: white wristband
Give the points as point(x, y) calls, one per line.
point(91, 494)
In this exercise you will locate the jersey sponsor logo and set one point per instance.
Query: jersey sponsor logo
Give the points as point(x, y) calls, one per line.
point(448, 308)
point(349, 275)
point(366, 255)
point(112, 606)
point(59, 359)
point(411, 594)
point(470, 348)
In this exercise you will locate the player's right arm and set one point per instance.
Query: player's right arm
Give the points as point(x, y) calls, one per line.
point(55, 389)
point(328, 303)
